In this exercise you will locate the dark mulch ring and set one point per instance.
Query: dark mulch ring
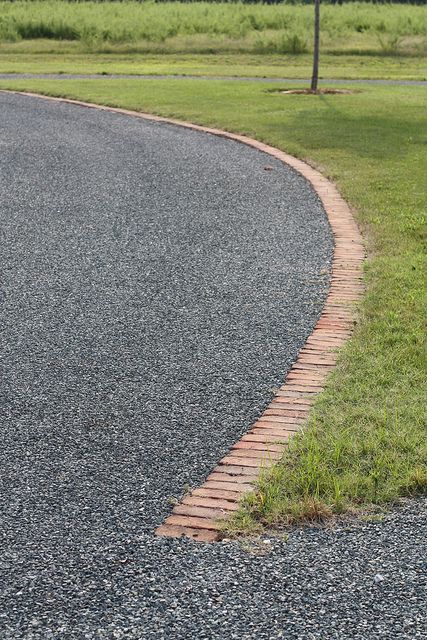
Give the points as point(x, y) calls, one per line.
point(314, 93)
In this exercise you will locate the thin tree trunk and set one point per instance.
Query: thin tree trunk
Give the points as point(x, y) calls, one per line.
point(315, 75)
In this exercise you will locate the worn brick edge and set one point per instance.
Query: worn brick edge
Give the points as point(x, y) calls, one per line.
point(199, 515)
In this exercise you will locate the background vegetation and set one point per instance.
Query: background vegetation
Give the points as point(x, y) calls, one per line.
point(214, 27)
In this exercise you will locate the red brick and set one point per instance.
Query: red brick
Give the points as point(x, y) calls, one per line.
point(224, 485)
point(319, 367)
point(257, 446)
point(183, 509)
point(212, 503)
point(288, 408)
point(276, 427)
point(199, 535)
point(293, 398)
point(217, 494)
point(303, 388)
point(261, 454)
point(276, 409)
point(222, 476)
point(248, 463)
point(193, 522)
point(296, 418)
point(317, 359)
point(277, 432)
point(263, 438)
point(234, 469)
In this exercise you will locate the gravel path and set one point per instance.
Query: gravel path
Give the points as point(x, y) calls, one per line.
point(156, 283)
point(113, 76)
point(361, 581)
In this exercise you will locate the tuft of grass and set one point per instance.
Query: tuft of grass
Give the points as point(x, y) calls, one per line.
point(294, 44)
point(365, 442)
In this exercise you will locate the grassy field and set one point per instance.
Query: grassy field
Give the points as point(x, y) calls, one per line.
point(236, 64)
point(366, 442)
point(358, 39)
point(220, 27)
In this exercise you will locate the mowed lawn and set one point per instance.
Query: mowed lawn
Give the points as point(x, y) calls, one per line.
point(38, 57)
point(366, 440)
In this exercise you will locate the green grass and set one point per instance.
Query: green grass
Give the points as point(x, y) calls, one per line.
point(366, 441)
point(358, 40)
point(218, 27)
point(48, 60)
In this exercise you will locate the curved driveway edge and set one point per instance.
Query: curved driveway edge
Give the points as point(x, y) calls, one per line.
point(198, 514)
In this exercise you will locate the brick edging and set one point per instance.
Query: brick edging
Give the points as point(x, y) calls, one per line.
point(197, 516)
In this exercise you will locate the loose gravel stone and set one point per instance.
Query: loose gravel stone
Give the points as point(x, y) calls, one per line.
point(156, 284)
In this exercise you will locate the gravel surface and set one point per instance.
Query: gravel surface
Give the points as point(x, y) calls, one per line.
point(156, 284)
point(130, 76)
point(361, 580)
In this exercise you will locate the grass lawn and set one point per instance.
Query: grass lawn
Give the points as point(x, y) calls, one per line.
point(47, 57)
point(366, 441)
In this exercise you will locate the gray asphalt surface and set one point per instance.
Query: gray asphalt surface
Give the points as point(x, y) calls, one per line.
point(156, 284)
point(113, 76)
